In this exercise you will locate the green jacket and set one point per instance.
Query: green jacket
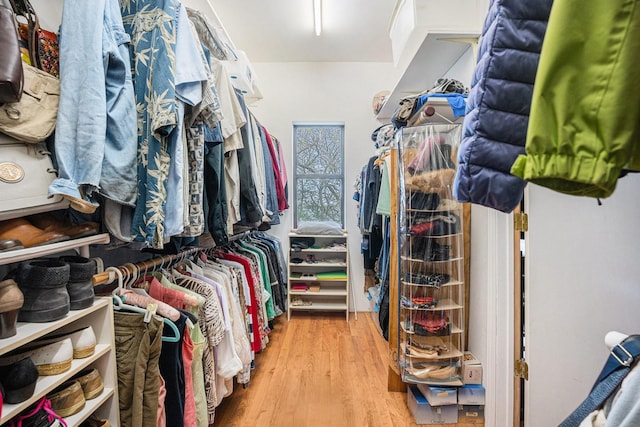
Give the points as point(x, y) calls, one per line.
point(584, 126)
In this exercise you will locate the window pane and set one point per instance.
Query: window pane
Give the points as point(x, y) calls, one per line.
point(318, 149)
point(319, 199)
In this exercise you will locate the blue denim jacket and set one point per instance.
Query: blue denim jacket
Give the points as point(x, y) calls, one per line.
point(96, 129)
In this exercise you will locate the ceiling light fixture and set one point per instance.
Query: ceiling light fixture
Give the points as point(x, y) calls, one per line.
point(317, 16)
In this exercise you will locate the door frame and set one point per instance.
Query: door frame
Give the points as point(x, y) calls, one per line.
point(491, 326)
point(518, 332)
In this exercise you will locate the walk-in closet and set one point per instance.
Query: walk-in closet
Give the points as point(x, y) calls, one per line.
point(319, 213)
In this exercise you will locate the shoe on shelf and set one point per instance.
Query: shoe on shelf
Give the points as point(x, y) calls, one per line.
point(95, 422)
point(80, 286)
point(43, 283)
point(27, 233)
point(83, 342)
point(49, 221)
point(91, 383)
point(10, 245)
point(39, 414)
point(19, 380)
point(67, 399)
point(50, 359)
point(433, 372)
point(11, 301)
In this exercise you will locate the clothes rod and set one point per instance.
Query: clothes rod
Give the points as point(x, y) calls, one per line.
point(148, 265)
point(240, 235)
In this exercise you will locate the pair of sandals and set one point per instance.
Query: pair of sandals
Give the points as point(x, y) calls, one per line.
point(433, 372)
point(419, 302)
point(429, 279)
point(297, 302)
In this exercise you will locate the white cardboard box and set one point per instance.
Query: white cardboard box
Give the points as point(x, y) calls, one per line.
point(439, 396)
point(471, 369)
point(423, 413)
point(472, 374)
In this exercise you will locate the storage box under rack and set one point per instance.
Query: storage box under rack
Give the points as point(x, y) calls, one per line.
point(425, 414)
point(471, 414)
point(471, 395)
point(439, 396)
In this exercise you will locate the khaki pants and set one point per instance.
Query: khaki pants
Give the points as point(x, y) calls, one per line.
point(138, 346)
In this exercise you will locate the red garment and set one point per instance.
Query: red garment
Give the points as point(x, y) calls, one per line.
point(256, 344)
point(189, 401)
point(282, 199)
point(281, 163)
point(173, 297)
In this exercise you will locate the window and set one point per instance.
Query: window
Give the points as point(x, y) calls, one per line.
point(318, 165)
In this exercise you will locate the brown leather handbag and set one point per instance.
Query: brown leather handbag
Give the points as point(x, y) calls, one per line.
point(11, 76)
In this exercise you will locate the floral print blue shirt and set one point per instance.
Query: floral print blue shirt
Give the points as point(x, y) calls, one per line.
point(152, 27)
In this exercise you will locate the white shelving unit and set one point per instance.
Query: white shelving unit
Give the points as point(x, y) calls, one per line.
point(328, 253)
point(99, 316)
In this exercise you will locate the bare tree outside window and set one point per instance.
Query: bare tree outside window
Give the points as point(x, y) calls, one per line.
point(318, 172)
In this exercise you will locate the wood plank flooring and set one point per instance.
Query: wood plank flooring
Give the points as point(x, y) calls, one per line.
point(319, 371)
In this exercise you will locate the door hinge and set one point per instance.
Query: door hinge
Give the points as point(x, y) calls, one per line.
point(521, 369)
point(521, 221)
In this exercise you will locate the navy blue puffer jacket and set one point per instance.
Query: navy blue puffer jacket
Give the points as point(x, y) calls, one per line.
point(495, 125)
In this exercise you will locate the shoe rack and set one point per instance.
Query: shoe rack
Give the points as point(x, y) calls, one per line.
point(431, 258)
point(81, 245)
point(99, 316)
point(319, 274)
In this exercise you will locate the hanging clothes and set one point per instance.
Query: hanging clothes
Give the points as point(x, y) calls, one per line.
point(250, 211)
point(584, 119)
point(495, 125)
point(147, 21)
point(138, 347)
point(96, 124)
point(190, 75)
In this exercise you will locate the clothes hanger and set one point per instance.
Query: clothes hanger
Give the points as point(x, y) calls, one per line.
point(120, 304)
point(165, 269)
point(133, 277)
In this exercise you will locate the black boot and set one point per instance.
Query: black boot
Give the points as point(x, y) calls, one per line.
point(80, 287)
point(43, 283)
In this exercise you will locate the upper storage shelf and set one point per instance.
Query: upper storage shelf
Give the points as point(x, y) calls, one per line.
point(428, 37)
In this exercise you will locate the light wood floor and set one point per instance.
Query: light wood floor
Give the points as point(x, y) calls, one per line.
point(319, 371)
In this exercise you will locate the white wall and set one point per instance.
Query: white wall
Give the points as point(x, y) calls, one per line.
point(581, 276)
point(325, 92)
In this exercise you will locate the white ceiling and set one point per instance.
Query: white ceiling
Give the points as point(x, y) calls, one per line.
point(282, 30)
